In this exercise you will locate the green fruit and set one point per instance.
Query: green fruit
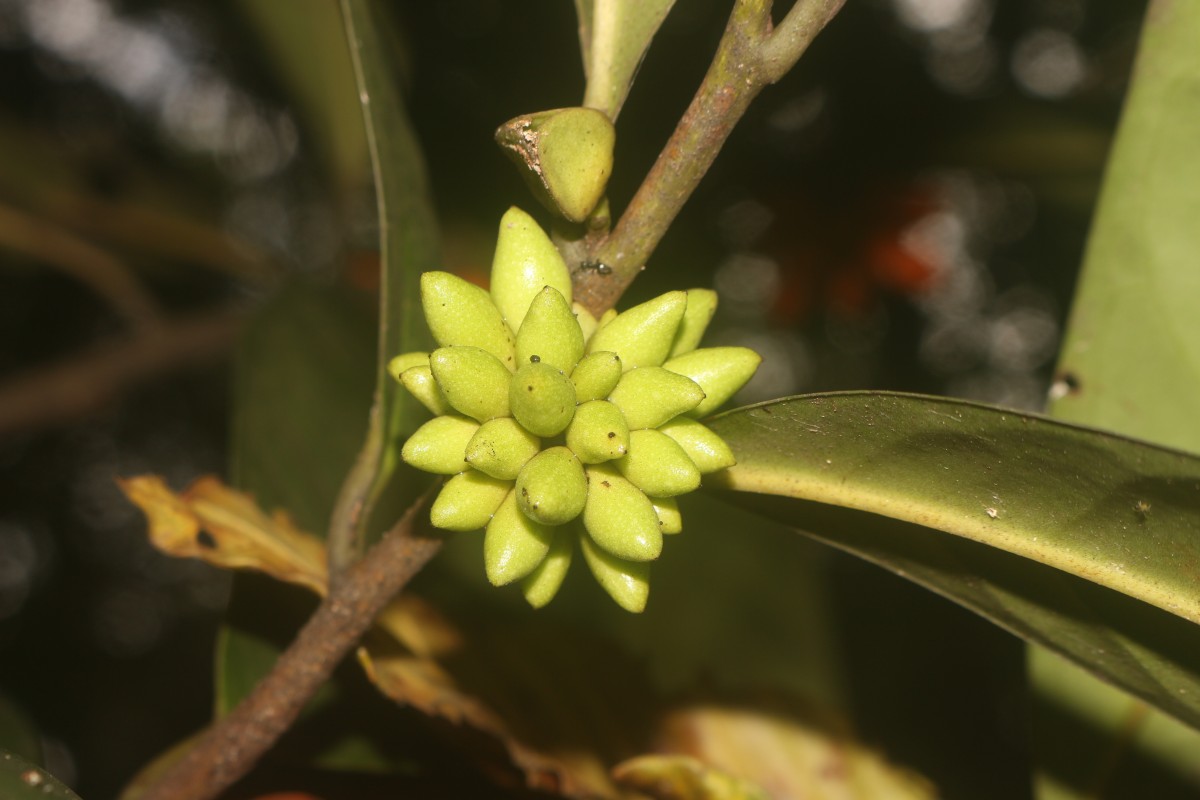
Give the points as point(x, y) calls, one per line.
point(650, 396)
point(669, 518)
point(462, 314)
point(467, 501)
point(406, 361)
point(587, 323)
point(658, 466)
point(513, 544)
point(707, 451)
point(642, 336)
point(526, 261)
point(474, 382)
point(627, 582)
point(542, 399)
point(701, 305)
point(420, 384)
point(551, 488)
point(596, 375)
point(438, 445)
point(550, 333)
point(500, 448)
point(598, 432)
point(619, 517)
point(540, 586)
point(720, 371)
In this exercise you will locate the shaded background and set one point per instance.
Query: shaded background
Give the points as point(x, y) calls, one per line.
point(906, 210)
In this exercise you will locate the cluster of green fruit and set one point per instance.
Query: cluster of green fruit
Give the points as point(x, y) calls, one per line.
point(557, 426)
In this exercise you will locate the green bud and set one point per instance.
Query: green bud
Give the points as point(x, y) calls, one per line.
point(501, 447)
point(467, 501)
point(551, 488)
point(707, 451)
point(421, 385)
point(526, 262)
point(619, 517)
point(642, 336)
point(474, 382)
point(543, 583)
point(627, 582)
point(605, 318)
point(462, 314)
point(550, 332)
point(598, 432)
point(542, 399)
point(701, 305)
point(565, 156)
point(650, 396)
point(596, 375)
point(513, 544)
point(439, 444)
point(406, 361)
point(658, 466)
point(720, 371)
point(587, 323)
point(667, 510)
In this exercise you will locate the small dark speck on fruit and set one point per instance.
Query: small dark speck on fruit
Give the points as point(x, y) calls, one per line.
point(530, 388)
point(206, 540)
point(612, 434)
point(606, 484)
point(535, 359)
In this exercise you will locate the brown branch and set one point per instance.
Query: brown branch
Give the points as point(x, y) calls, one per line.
point(235, 743)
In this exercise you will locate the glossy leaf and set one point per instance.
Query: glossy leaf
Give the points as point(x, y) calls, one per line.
point(21, 780)
point(614, 36)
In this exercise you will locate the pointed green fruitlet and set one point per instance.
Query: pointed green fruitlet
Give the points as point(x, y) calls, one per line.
point(720, 371)
point(598, 432)
point(587, 323)
point(701, 305)
point(460, 313)
point(550, 332)
point(438, 445)
point(707, 451)
point(474, 381)
point(565, 155)
point(619, 517)
point(467, 501)
point(526, 262)
point(551, 488)
point(627, 582)
point(420, 384)
point(540, 586)
point(513, 544)
point(500, 448)
point(669, 518)
point(643, 335)
point(658, 466)
point(406, 361)
point(596, 375)
point(542, 399)
point(605, 318)
point(649, 396)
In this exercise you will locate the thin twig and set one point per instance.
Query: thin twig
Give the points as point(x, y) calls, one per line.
point(750, 55)
point(232, 747)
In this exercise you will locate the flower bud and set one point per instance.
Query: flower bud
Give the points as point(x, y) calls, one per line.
point(650, 396)
point(642, 336)
point(439, 444)
point(619, 517)
point(551, 488)
point(473, 381)
point(627, 582)
point(596, 375)
point(598, 432)
point(550, 332)
point(513, 544)
point(421, 385)
point(658, 466)
point(405, 361)
point(720, 371)
point(526, 262)
point(707, 451)
point(500, 448)
point(542, 399)
point(587, 323)
point(540, 586)
point(462, 314)
point(669, 518)
point(701, 305)
point(467, 501)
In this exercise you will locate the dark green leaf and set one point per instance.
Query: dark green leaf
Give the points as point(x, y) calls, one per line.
point(614, 36)
point(20, 780)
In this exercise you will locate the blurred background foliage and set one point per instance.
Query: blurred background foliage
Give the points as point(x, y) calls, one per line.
point(906, 210)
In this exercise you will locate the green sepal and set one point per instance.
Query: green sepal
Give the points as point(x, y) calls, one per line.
point(707, 451)
point(667, 510)
point(643, 335)
point(598, 432)
point(701, 305)
point(627, 582)
point(720, 371)
point(501, 447)
point(420, 383)
point(551, 488)
point(406, 361)
point(438, 445)
point(526, 261)
point(540, 586)
point(619, 516)
point(658, 466)
point(513, 544)
point(596, 375)
point(649, 396)
point(462, 314)
point(468, 501)
point(550, 332)
point(542, 399)
point(473, 380)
